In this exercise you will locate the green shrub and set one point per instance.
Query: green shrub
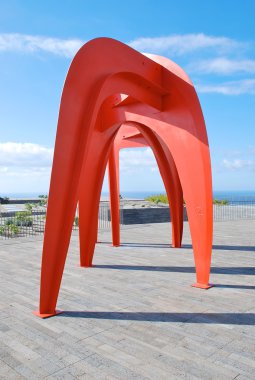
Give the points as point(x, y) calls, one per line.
point(9, 222)
point(24, 218)
point(160, 198)
point(43, 200)
point(9, 230)
point(76, 221)
point(220, 202)
point(29, 207)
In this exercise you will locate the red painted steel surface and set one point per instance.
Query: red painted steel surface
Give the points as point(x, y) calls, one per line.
point(164, 106)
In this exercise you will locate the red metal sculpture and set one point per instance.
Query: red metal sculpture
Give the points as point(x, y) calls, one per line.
point(164, 106)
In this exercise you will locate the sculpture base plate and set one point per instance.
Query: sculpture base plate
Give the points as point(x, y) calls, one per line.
point(43, 316)
point(202, 286)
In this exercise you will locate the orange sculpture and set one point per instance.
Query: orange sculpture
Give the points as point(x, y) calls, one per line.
point(162, 102)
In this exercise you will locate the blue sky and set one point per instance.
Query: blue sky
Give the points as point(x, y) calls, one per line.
point(213, 41)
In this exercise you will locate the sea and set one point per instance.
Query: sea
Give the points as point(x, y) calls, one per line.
point(231, 195)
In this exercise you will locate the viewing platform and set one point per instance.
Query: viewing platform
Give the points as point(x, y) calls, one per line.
point(134, 314)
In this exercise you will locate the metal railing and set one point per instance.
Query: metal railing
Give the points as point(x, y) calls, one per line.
point(14, 224)
point(104, 216)
point(234, 210)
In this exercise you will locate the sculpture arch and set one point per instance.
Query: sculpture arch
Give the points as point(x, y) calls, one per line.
point(91, 112)
point(88, 217)
point(129, 137)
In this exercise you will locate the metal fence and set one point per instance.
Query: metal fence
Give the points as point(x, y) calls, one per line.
point(14, 224)
point(235, 210)
point(104, 216)
point(23, 223)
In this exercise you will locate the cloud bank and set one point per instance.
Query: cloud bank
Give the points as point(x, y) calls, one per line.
point(23, 165)
point(179, 44)
point(175, 44)
point(238, 164)
point(224, 66)
point(27, 157)
point(240, 87)
point(137, 160)
point(25, 43)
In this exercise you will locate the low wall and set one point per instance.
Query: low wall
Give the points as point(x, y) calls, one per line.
point(17, 201)
point(147, 215)
point(161, 214)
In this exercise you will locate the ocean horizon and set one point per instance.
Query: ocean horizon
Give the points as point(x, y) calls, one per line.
point(230, 195)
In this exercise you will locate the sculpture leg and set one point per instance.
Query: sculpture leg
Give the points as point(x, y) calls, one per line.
point(195, 176)
point(175, 196)
point(171, 181)
point(89, 196)
point(113, 178)
point(62, 204)
point(89, 201)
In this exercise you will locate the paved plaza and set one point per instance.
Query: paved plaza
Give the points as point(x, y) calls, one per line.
point(134, 314)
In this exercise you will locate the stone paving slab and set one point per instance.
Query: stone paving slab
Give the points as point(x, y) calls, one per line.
point(134, 314)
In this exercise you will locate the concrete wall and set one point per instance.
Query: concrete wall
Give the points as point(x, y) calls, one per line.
point(23, 201)
point(147, 215)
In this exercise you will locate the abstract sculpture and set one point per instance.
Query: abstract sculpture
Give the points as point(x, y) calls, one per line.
point(162, 102)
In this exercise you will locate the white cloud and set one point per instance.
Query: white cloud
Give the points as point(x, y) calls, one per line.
point(24, 167)
point(137, 160)
point(28, 163)
point(240, 87)
point(28, 44)
point(223, 66)
point(184, 43)
point(238, 164)
point(174, 44)
point(25, 155)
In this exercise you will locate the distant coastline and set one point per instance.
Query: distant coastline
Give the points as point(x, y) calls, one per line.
point(228, 195)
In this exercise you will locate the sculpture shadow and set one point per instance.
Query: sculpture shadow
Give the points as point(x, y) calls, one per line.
point(222, 247)
point(139, 245)
point(249, 271)
point(202, 318)
point(227, 286)
point(184, 246)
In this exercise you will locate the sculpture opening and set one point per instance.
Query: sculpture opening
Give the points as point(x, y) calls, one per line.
point(129, 136)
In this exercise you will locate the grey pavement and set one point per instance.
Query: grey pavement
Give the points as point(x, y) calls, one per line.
point(134, 314)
